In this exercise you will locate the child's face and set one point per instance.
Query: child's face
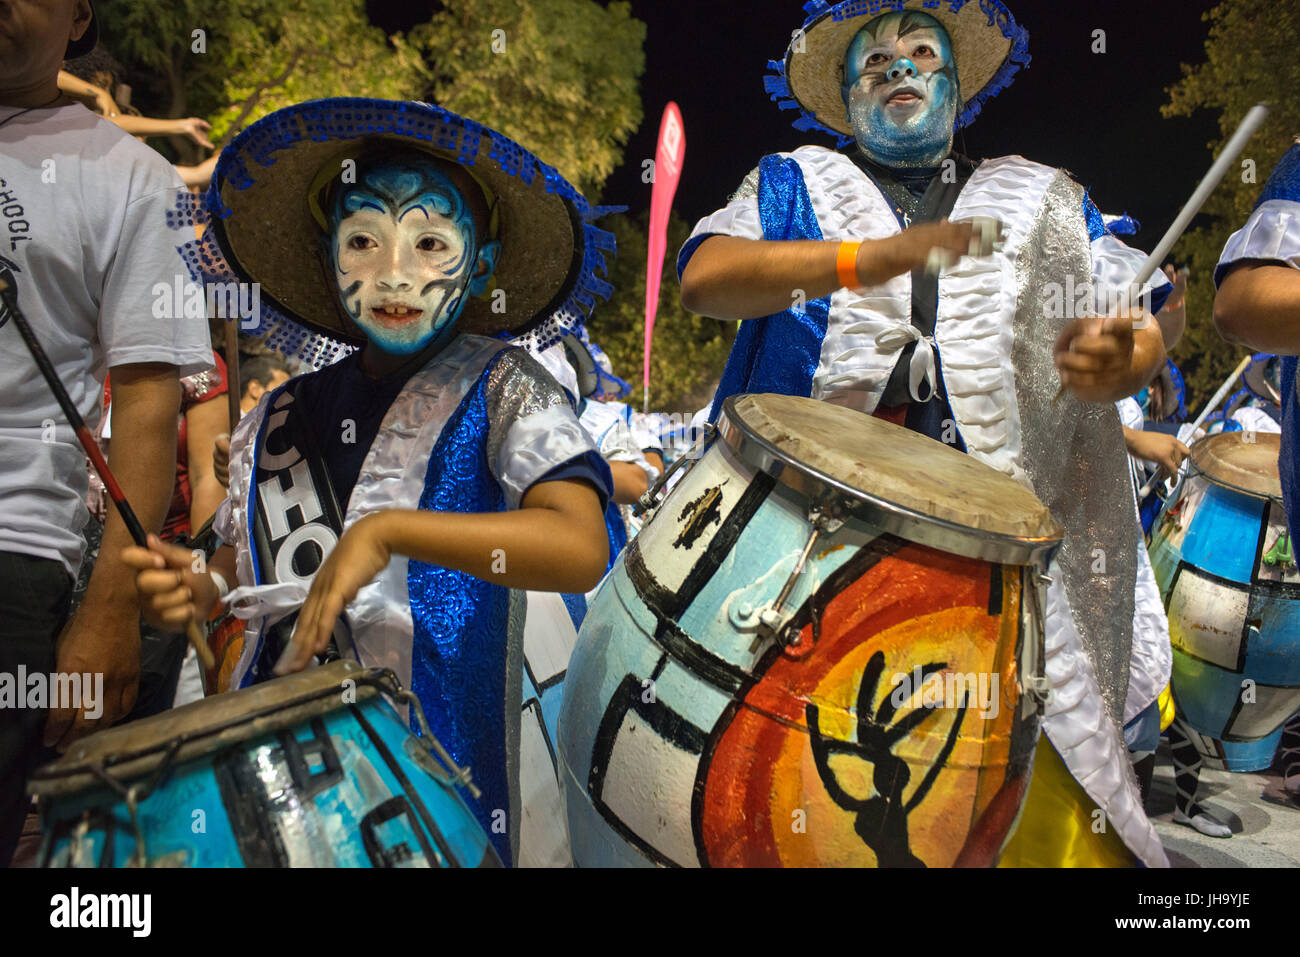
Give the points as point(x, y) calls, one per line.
point(406, 255)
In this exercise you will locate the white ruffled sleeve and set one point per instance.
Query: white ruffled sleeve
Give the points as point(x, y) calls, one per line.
point(1114, 267)
point(534, 430)
point(1272, 233)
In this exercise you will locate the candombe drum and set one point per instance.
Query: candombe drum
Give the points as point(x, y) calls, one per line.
point(315, 769)
point(1227, 571)
point(824, 648)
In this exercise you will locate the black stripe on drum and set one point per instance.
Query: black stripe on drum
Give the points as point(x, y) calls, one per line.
point(1239, 705)
point(425, 817)
point(252, 819)
point(697, 659)
point(535, 705)
point(380, 855)
point(661, 719)
point(551, 682)
point(542, 686)
point(995, 590)
point(665, 602)
point(867, 557)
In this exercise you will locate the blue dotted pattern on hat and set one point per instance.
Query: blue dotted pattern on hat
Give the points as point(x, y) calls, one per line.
point(345, 119)
point(778, 87)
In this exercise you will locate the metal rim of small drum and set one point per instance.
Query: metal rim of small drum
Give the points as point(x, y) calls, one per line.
point(1195, 468)
point(906, 523)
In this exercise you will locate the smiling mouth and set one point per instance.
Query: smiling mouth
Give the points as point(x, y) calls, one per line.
point(395, 314)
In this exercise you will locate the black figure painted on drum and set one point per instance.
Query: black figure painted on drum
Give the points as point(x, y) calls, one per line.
point(882, 819)
point(899, 278)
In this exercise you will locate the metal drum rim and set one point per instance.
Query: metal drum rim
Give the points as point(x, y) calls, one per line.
point(906, 523)
point(1193, 470)
point(73, 772)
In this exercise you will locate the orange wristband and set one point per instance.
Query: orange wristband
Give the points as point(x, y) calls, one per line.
point(846, 265)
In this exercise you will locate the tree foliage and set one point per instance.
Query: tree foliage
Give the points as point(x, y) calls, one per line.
point(559, 76)
point(688, 352)
point(281, 52)
point(1250, 56)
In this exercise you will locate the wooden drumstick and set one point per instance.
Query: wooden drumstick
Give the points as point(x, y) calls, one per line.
point(10, 301)
point(1252, 122)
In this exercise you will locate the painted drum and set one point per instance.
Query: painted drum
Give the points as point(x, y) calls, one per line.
point(823, 648)
point(315, 769)
point(1227, 572)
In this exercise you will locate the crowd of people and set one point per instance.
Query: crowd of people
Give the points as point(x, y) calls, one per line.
point(409, 451)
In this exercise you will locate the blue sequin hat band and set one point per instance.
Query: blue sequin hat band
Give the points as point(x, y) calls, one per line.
point(988, 45)
point(264, 230)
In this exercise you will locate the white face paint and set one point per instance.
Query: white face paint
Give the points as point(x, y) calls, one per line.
point(901, 90)
point(405, 254)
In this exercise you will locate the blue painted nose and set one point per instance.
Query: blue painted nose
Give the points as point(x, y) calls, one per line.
point(901, 68)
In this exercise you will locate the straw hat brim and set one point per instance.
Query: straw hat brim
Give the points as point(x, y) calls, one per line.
point(266, 231)
point(989, 49)
point(1257, 375)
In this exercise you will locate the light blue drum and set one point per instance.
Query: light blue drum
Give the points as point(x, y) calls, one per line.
point(823, 649)
point(315, 770)
point(1226, 569)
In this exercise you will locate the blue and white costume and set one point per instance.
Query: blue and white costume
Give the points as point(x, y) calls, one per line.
point(1151, 660)
point(1272, 235)
point(470, 432)
point(997, 321)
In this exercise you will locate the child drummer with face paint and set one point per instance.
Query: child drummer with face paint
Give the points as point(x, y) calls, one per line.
point(901, 279)
point(386, 506)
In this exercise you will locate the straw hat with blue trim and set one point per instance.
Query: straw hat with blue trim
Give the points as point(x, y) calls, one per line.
point(988, 45)
point(263, 206)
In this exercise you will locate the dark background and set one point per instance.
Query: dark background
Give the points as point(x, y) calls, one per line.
point(1097, 115)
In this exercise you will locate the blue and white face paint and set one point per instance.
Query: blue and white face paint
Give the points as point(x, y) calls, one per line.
point(901, 89)
point(406, 254)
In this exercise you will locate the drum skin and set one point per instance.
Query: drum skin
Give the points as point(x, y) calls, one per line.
point(348, 789)
point(891, 734)
point(1234, 618)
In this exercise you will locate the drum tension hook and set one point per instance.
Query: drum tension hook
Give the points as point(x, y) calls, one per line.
point(650, 500)
point(773, 623)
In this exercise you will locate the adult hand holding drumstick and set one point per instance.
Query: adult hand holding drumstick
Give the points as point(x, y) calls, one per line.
point(103, 636)
point(1102, 359)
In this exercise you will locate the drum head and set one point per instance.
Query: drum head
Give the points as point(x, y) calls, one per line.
point(885, 464)
point(1242, 461)
point(203, 727)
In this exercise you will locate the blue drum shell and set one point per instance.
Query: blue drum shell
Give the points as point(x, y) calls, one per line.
point(348, 788)
point(1234, 620)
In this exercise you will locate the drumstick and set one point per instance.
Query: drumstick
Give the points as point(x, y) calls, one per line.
point(1205, 414)
point(10, 301)
point(1252, 122)
point(233, 389)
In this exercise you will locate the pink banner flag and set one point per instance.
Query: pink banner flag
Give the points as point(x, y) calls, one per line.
point(669, 156)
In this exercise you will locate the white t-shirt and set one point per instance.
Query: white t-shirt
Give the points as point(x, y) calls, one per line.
point(84, 238)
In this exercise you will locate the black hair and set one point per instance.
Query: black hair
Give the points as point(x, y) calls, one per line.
point(95, 62)
point(261, 369)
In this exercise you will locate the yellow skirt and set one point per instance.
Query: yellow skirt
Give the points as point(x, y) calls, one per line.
point(1056, 823)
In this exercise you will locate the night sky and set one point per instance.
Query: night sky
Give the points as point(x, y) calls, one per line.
point(1096, 115)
